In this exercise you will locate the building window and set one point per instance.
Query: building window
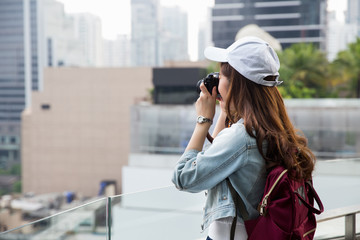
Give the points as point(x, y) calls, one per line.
point(13, 140)
point(45, 106)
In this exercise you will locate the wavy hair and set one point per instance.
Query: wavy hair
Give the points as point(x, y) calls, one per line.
point(265, 118)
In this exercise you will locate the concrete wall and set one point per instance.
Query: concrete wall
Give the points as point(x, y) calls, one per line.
point(83, 136)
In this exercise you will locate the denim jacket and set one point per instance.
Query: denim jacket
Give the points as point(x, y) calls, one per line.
point(233, 154)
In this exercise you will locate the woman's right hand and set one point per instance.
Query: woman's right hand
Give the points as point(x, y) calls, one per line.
point(205, 105)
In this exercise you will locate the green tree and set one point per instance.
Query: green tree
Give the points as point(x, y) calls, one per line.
point(304, 70)
point(346, 70)
point(17, 186)
point(16, 170)
point(213, 67)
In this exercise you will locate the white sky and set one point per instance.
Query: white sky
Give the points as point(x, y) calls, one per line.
point(339, 6)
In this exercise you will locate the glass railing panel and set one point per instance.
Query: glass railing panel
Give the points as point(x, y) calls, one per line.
point(337, 183)
point(88, 221)
point(167, 213)
point(334, 228)
point(159, 214)
point(330, 229)
point(357, 228)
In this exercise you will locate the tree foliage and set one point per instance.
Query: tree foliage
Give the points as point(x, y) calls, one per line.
point(17, 186)
point(212, 67)
point(14, 170)
point(304, 70)
point(346, 70)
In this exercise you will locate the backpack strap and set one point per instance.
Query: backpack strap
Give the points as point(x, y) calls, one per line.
point(316, 197)
point(239, 206)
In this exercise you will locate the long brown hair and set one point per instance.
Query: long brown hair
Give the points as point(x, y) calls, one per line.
point(265, 118)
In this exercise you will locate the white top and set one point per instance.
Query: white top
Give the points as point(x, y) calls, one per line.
point(220, 230)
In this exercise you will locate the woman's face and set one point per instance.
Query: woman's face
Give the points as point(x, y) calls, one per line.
point(223, 86)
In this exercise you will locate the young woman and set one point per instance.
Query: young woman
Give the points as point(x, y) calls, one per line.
point(252, 134)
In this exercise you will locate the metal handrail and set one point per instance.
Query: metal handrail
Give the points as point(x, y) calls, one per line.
point(349, 213)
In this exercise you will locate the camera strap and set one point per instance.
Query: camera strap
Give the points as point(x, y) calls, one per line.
point(209, 137)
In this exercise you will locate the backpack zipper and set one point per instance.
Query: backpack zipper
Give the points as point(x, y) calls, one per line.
point(264, 201)
point(307, 233)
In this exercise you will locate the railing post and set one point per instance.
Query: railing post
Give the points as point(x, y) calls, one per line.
point(350, 226)
point(108, 218)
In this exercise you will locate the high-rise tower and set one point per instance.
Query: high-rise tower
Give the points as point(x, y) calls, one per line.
point(20, 64)
point(288, 21)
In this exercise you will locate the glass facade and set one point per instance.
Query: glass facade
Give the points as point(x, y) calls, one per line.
point(287, 21)
point(330, 125)
point(12, 72)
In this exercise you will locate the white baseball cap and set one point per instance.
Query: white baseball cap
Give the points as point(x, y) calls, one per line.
point(252, 57)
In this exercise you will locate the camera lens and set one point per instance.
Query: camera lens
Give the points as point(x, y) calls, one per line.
point(211, 81)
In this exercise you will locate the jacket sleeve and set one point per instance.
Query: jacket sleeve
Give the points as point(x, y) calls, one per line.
point(197, 171)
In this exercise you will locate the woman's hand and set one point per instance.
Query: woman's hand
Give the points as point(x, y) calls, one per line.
point(205, 105)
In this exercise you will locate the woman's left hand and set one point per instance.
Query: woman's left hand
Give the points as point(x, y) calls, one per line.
point(205, 105)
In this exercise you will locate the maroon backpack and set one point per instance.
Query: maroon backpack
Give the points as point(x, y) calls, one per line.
point(286, 210)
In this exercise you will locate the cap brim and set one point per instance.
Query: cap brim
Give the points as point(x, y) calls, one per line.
point(216, 54)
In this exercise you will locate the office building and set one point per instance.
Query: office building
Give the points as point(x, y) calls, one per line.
point(59, 32)
point(204, 35)
point(158, 34)
point(20, 71)
point(70, 40)
point(88, 32)
point(289, 22)
point(75, 134)
point(174, 35)
point(117, 53)
point(353, 19)
point(145, 32)
point(337, 35)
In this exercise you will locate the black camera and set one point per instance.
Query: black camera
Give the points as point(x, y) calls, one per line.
point(211, 81)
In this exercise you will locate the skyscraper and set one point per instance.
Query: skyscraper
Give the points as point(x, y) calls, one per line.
point(353, 19)
point(288, 21)
point(116, 53)
point(19, 70)
point(145, 32)
point(174, 34)
point(88, 33)
point(158, 34)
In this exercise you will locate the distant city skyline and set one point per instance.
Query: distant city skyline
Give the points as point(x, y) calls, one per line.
point(116, 19)
point(108, 11)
